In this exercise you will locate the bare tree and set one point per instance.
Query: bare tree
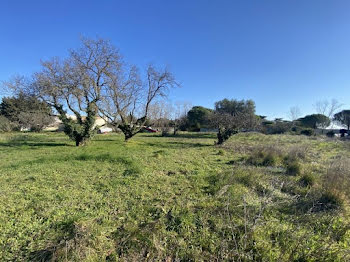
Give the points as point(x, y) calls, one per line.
point(76, 84)
point(163, 116)
point(294, 113)
point(327, 108)
point(180, 114)
point(127, 103)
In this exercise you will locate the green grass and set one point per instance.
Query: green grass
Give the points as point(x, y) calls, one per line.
point(167, 198)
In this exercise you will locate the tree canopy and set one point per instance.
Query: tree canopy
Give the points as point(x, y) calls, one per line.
point(233, 116)
point(235, 107)
point(198, 117)
point(315, 121)
point(26, 111)
point(343, 118)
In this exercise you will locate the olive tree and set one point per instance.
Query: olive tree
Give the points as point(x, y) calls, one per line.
point(233, 116)
point(75, 85)
point(127, 102)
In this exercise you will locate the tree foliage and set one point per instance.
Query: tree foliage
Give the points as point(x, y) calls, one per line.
point(6, 125)
point(343, 118)
point(198, 117)
point(26, 111)
point(233, 116)
point(315, 121)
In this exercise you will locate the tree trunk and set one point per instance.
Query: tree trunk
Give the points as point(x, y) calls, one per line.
point(128, 133)
point(220, 138)
point(127, 136)
point(224, 134)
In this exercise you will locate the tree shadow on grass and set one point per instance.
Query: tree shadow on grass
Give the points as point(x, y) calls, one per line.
point(42, 255)
point(305, 205)
point(198, 135)
point(33, 144)
point(176, 144)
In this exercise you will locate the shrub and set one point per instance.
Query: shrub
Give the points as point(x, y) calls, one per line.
point(270, 159)
point(298, 152)
point(336, 182)
point(330, 199)
point(265, 156)
point(307, 132)
point(293, 167)
point(165, 131)
point(296, 129)
point(330, 134)
point(276, 128)
point(307, 180)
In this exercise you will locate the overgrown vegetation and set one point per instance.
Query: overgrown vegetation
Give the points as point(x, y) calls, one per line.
point(174, 198)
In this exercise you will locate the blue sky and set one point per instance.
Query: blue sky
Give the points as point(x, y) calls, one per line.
point(278, 53)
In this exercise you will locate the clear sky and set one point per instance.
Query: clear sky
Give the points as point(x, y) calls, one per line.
point(278, 53)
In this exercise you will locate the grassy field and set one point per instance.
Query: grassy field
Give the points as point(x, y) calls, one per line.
point(257, 198)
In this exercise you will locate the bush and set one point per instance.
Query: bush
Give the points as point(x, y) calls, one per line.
point(165, 132)
point(330, 199)
point(307, 132)
point(276, 128)
point(264, 156)
point(296, 129)
point(307, 180)
point(336, 182)
point(293, 167)
point(270, 159)
point(298, 152)
point(330, 134)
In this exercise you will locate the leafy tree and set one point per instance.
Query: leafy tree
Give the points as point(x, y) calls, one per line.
point(233, 116)
point(315, 121)
point(26, 111)
point(198, 117)
point(343, 118)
